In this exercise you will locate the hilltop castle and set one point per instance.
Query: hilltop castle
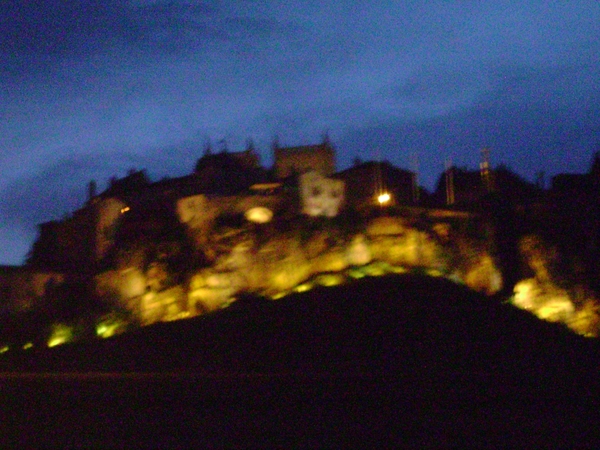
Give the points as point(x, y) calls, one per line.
point(223, 185)
point(141, 242)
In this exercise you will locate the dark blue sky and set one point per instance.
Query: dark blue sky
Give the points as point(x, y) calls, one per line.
point(90, 89)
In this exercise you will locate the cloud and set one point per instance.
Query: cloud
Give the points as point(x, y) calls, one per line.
point(61, 187)
point(90, 88)
point(76, 28)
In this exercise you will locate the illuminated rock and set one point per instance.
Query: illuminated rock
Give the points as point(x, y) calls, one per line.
point(526, 294)
point(330, 279)
point(558, 309)
point(386, 226)
point(358, 253)
point(586, 320)
point(239, 258)
point(203, 300)
point(543, 299)
point(484, 276)
point(161, 306)
point(331, 261)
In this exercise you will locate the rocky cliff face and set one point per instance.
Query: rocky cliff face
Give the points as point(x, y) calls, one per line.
point(312, 252)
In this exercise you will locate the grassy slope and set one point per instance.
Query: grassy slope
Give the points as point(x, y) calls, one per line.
point(469, 370)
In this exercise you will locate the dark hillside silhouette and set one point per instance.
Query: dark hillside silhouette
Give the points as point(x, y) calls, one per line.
point(393, 361)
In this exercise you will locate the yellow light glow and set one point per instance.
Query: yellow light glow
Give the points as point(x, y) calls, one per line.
point(279, 295)
point(125, 209)
point(398, 269)
point(356, 274)
point(4, 349)
point(28, 346)
point(259, 214)
point(384, 198)
point(178, 316)
point(61, 334)
point(303, 287)
point(330, 279)
point(56, 341)
point(433, 273)
point(375, 270)
point(109, 327)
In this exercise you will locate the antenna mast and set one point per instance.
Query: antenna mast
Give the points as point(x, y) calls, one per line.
point(485, 171)
point(415, 178)
point(449, 182)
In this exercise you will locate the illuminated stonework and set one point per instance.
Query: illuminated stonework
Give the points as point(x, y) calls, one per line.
point(259, 214)
point(321, 196)
point(109, 212)
point(553, 304)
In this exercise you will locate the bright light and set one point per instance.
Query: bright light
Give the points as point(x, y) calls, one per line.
point(125, 209)
point(384, 198)
point(259, 214)
point(28, 346)
point(303, 287)
point(61, 334)
point(56, 341)
point(4, 349)
point(110, 326)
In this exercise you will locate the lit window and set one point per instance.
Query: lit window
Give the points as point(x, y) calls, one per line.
point(384, 198)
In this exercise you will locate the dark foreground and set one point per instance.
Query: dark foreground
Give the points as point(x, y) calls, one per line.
point(422, 364)
point(267, 411)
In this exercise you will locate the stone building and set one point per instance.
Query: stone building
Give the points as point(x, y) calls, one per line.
point(320, 195)
point(297, 160)
point(365, 182)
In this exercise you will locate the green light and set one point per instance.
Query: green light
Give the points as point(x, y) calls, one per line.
point(303, 287)
point(61, 334)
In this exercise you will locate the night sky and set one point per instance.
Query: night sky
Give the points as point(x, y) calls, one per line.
point(91, 89)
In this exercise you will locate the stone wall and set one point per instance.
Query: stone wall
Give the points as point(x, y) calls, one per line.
point(108, 213)
point(199, 212)
point(287, 260)
point(296, 160)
